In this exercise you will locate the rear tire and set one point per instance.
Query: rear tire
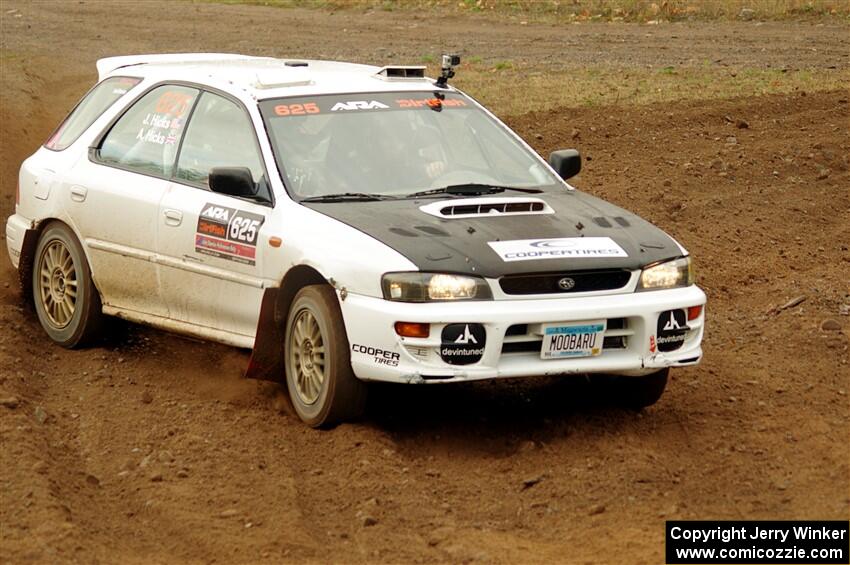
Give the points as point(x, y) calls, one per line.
point(65, 298)
point(322, 386)
point(634, 392)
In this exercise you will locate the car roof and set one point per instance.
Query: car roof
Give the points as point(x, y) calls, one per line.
point(266, 77)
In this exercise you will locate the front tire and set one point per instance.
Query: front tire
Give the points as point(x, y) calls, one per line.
point(634, 392)
point(66, 300)
point(322, 386)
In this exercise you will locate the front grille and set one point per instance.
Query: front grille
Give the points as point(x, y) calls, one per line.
point(549, 283)
point(522, 347)
point(517, 329)
point(616, 342)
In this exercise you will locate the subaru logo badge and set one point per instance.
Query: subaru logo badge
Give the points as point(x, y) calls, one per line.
point(566, 283)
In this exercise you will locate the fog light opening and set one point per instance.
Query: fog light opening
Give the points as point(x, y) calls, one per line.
point(412, 329)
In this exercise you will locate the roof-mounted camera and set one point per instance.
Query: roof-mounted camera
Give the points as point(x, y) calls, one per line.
point(449, 62)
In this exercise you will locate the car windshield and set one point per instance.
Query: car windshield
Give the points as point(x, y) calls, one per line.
point(395, 145)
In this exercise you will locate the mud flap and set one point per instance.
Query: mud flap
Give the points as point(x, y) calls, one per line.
point(266, 361)
point(25, 265)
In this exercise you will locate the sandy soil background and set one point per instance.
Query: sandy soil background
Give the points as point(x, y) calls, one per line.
point(150, 448)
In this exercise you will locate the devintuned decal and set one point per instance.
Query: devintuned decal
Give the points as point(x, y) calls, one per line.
point(671, 329)
point(380, 356)
point(558, 248)
point(228, 233)
point(463, 344)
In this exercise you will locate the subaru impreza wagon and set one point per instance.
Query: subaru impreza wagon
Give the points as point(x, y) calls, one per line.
point(348, 224)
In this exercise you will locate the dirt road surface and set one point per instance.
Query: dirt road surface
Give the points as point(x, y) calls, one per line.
point(150, 448)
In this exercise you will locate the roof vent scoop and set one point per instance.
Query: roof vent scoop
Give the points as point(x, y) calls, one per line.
point(280, 78)
point(401, 73)
point(487, 208)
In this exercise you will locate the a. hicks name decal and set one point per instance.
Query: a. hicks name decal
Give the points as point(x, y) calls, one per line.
point(228, 233)
point(558, 248)
point(164, 125)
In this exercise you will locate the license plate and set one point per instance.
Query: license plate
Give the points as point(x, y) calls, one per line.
point(575, 339)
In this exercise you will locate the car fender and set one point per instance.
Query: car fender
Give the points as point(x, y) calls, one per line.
point(315, 249)
point(38, 168)
point(354, 260)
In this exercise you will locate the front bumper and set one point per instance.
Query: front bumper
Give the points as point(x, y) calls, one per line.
point(16, 229)
point(379, 354)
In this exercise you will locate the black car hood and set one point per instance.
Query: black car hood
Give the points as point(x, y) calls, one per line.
point(460, 245)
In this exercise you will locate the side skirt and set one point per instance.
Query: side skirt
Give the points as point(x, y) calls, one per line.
point(184, 328)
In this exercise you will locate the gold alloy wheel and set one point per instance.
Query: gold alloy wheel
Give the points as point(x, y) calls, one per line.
point(58, 284)
point(307, 348)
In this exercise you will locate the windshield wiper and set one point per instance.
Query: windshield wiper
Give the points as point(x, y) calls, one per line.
point(348, 197)
point(472, 189)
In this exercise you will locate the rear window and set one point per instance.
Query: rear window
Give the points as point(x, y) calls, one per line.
point(93, 104)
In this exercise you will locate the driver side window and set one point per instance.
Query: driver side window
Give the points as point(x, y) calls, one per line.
point(220, 134)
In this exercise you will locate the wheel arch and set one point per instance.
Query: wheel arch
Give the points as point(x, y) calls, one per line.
point(28, 248)
point(266, 361)
point(84, 321)
point(294, 280)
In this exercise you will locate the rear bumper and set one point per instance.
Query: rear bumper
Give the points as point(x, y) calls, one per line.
point(378, 353)
point(16, 229)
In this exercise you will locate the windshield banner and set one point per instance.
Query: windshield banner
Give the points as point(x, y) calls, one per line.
point(366, 102)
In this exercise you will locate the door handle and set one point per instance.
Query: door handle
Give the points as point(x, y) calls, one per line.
point(78, 193)
point(173, 217)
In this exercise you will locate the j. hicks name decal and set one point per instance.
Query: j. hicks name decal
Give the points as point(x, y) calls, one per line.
point(228, 233)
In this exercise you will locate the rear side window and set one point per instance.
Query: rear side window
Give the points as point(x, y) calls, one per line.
point(145, 139)
point(93, 104)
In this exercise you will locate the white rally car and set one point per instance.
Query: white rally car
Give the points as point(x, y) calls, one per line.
point(349, 224)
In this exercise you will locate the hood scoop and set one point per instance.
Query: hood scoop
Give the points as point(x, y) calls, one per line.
point(487, 208)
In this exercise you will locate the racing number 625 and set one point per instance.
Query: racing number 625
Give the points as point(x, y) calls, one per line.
point(296, 109)
point(244, 229)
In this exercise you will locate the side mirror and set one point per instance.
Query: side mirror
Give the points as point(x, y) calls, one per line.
point(566, 162)
point(233, 181)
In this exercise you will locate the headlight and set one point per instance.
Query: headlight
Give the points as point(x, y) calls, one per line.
point(428, 287)
point(670, 274)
